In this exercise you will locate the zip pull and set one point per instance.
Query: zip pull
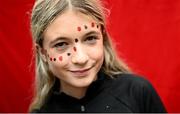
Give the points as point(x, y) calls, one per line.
point(82, 108)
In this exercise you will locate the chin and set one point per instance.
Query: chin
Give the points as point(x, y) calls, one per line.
point(83, 82)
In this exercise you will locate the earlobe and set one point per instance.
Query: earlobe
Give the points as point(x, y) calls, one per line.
point(42, 52)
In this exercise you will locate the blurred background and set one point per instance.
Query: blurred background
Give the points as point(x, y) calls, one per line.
point(146, 34)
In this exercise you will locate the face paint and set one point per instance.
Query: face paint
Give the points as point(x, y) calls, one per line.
point(92, 24)
point(68, 54)
point(74, 48)
point(79, 29)
point(85, 27)
point(97, 26)
point(51, 59)
point(76, 40)
point(60, 58)
point(61, 68)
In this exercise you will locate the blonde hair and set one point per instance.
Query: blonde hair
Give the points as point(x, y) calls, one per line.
point(43, 13)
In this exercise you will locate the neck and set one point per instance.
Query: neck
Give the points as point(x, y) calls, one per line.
point(76, 92)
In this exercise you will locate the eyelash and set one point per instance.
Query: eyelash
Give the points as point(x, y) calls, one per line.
point(91, 39)
point(61, 45)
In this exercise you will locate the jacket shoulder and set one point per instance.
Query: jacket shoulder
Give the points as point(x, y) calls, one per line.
point(124, 81)
point(137, 93)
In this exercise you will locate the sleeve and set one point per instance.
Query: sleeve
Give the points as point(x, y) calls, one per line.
point(151, 99)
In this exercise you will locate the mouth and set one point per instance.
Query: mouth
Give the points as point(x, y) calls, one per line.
point(81, 72)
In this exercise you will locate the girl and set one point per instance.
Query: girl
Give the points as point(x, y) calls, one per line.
point(76, 67)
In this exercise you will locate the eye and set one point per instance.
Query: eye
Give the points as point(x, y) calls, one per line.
point(61, 45)
point(91, 39)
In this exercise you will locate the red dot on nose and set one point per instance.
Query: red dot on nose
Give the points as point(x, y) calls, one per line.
point(79, 28)
point(92, 24)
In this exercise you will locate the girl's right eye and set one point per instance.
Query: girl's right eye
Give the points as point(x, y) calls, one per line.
point(61, 45)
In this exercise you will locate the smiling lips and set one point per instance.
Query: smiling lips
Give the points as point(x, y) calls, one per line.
point(81, 72)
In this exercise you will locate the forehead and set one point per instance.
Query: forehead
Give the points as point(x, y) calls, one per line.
point(67, 23)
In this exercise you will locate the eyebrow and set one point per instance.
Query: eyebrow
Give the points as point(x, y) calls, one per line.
point(57, 39)
point(91, 32)
point(65, 38)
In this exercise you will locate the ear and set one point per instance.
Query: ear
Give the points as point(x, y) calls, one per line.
point(42, 52)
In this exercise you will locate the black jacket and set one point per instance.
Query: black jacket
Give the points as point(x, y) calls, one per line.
point(126, 93)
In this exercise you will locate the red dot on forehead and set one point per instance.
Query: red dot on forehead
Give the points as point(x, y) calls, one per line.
point(79, 28)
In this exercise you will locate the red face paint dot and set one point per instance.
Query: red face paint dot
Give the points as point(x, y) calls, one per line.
point(74, 48)
point(51, 59)
point(79, 28)
point(92, 24)
point(60, 58)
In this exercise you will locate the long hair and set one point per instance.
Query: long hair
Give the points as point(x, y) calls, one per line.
point(43, 14)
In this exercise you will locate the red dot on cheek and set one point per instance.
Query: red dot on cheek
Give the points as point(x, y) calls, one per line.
point(60, 58)
point(79, 28)
point(75, 49)
point(92, 24)
point(51, 59)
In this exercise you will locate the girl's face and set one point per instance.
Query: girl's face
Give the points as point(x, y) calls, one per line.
point(73, 46)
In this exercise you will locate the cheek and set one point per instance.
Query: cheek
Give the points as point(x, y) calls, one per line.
point(97, 52)
point(57, 63)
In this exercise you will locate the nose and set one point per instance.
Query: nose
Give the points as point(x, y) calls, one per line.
point(80, 56)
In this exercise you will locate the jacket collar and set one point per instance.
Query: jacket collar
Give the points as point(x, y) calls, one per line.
point(92, 90)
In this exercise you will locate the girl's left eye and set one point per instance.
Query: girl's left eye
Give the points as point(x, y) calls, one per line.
point(91, 39)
